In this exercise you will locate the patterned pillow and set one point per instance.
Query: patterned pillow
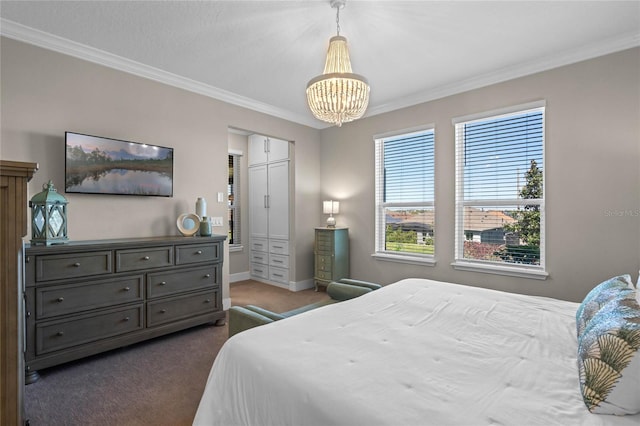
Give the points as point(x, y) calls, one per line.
point(598, 297)
point(609, 358)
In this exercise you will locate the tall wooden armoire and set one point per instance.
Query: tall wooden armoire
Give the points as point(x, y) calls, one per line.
point(13, 227)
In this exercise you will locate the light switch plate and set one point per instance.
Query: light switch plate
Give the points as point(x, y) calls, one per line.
point(216, 221)
point(220, 197)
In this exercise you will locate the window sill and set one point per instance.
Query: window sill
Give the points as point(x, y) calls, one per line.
point(235, 248)
point(512, 271)
point(414, 260)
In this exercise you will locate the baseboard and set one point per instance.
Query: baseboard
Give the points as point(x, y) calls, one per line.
point(301, 285)
point(240, 276)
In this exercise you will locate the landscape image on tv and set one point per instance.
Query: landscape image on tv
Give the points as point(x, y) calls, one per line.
point(97, 165)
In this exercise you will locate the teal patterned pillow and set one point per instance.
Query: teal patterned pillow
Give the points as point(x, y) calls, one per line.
point(598, 297)
point(609, 358)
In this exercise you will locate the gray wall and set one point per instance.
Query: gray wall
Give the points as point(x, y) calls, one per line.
point(592, 174)
point(592, 161)
point(45, 93)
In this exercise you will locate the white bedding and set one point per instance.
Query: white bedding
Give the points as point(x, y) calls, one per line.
point(416, 352)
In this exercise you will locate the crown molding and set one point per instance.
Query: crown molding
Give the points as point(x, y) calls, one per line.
point(604, 47)
point(49, 41)
point(65, 46)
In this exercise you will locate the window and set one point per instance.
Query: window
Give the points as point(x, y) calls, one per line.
point(233, 190)
point(499, 192)
point(405, 197)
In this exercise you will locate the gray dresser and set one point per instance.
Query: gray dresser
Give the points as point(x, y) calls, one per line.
point(331, 251)
point(87, 297)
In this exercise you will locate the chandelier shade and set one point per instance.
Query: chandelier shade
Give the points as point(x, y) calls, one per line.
point(338, 95)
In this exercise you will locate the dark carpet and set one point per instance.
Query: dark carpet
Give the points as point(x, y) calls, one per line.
point(158, 382)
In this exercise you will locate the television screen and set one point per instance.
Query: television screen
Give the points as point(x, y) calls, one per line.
point(97, 165)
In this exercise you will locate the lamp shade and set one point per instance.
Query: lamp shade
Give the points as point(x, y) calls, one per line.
point(331, 207)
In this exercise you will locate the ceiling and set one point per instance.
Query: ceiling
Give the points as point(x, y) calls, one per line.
point(261, 54)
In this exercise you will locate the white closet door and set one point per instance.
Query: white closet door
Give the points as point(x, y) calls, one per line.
point(279, 200)
point(258, 191)
point(257, 150)
point(278, 149)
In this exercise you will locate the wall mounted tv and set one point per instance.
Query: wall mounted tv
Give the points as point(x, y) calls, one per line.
point(97, 165)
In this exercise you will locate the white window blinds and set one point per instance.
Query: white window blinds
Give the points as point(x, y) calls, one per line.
point(405, 194)
point(499, 188)
point(233, 190)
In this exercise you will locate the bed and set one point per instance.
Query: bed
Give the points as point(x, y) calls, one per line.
point(416, 352)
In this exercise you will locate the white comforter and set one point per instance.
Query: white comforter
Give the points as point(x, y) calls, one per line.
point(417, 352)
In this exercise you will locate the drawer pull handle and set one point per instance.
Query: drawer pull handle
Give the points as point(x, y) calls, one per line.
point(163, 311)
point(162, 283)
point(126, 289)
point(77, 264)
point(278, 247)
point(207, 276)
point(199, 252)
point(126, 319)
point(207, 301)
point(60, 333)
point(146, 258)
point(60, 299)
point(277, 261)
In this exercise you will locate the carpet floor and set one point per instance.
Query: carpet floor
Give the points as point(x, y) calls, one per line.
point(158, 382)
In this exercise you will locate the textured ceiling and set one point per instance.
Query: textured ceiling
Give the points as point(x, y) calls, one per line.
point(261, 54)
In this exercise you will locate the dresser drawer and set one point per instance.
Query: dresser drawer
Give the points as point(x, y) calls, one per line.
point(279, 247)
point(73, 298)
point(325, 237)
point(58, 266)
point(169, 310)
point(139, 259)
point(56, 335)
point(279, 275)
point(197, 253)
point(259, 271)
point(259, 257)
point(278, 260)
point(166, 283)
point(259, 244)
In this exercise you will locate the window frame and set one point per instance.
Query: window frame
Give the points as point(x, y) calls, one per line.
point(380, 223)
point(486, 266)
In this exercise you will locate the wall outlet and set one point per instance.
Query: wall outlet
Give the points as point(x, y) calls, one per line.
point(216, 221)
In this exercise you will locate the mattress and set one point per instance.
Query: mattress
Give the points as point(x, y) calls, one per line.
point(416, 352)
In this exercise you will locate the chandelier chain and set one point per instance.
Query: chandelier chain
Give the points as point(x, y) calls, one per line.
point(338, 20)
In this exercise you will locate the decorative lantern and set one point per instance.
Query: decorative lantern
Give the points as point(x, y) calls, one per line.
point(48, 217)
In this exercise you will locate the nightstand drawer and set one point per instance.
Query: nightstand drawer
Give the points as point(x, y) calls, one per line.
point(197, 253)
point(324, 275)
point(163, 311)
point(54, 267)
point(166, 283)
point(83, 296)
point(138, 259)
point(74, 331)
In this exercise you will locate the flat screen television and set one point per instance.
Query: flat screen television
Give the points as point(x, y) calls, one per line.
point(98, 165)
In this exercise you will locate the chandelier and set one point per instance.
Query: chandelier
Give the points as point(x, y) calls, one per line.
point(338, 95)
